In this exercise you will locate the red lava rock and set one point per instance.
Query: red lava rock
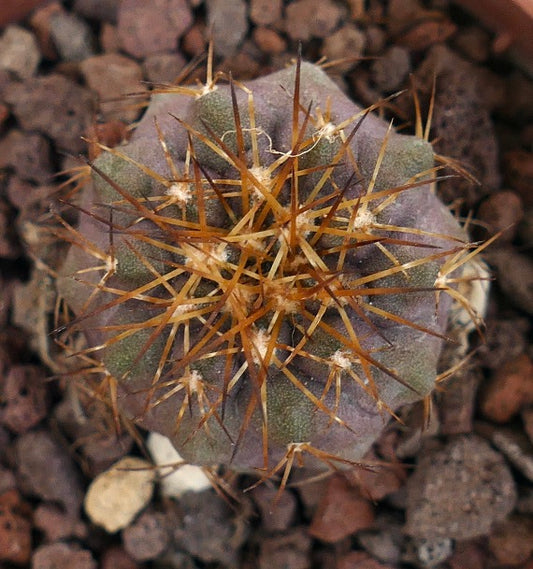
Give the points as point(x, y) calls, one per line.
point(277, 513)
point(228, 22)
point(509, 390)
point(145, 28)
point(4, 114)
point(194, 42)
point(518, 165)
point(113, 77)
point(62, 556)
point(40, 22)
point(265, 12)
point(426, 34)
point(54, 106)
point(117, 558)
point(28, 153)
point(15, 529)
point(147, 537)
point(24, 398)
point(16, 11)
point(109, 39)
point(458, 491)
point(47, 470)
point(501, 211)
point(56, 525)
point(292, 549)
point(341, 512)
point(378, 482)
point(474, 43)
point(402, 13)
point(7, 479)
point(311, 18)
point(163, 67)
point(457, 402)
point(346, 40)
point(110, 133)
point(511, 541)
point(467, 555)
point(269, 41)
point(359, 560)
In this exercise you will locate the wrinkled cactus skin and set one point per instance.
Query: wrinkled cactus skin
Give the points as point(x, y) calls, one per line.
point(236, 400)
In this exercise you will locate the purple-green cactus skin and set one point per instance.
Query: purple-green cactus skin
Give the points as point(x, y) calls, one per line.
point(262, 271)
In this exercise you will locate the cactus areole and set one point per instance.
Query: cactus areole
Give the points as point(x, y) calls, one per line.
point(263, 271)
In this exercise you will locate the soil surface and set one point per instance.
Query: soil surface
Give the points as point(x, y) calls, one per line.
point(455, 494)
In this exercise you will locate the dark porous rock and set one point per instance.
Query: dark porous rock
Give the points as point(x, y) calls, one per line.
point(103, 10)
point(228, 22)
point(277, 511)
point(458, 491)
point(504, 339)
point(47, 470)
point(307, 19)
point(514, 273)
point(147, 537)
point(390, 70)
point(163, 67)
point(57, 525)
point(54, 106)
point(28, 153)
point(462, 118)
point(62, 556)
point(208, 528)
point(87, 423)
point(24, 398)
point(292, 549)
point(348, 39)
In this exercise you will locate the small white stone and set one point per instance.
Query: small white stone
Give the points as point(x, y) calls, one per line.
point(117, 495)
point(175, 481)
point(19, 52)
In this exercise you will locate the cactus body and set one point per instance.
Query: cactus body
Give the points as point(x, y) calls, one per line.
point(257, 268)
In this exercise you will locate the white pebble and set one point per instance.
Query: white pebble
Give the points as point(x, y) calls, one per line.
point(117, 495)
point(175, 481)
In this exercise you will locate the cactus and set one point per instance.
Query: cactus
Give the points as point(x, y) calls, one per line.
point(263, 273)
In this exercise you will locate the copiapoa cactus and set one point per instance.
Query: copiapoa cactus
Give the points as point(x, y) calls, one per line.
point(263, 272)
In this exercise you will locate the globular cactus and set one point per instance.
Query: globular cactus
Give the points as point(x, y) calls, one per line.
point(263, 272)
